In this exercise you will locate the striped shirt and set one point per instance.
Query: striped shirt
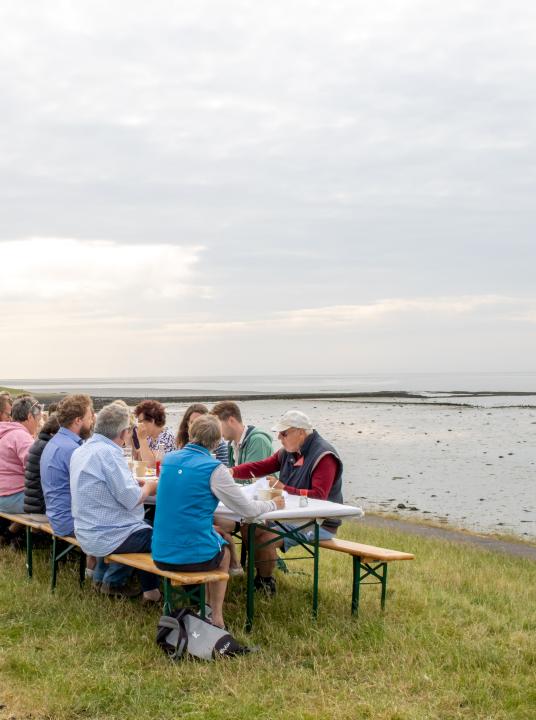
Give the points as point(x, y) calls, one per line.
point(105, 497)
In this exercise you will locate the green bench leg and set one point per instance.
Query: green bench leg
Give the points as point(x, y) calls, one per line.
point(384, 585)
point(53, 565)
point(356, 584)
point(196, 595)
point(82, 568)
point(29, 552)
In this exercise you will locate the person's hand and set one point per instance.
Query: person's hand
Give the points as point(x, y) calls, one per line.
point(279, 502)
point(274, 483)
point(151, 486)
point(142, 431)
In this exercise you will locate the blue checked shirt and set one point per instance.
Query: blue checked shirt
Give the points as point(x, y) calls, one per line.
point(105, 497)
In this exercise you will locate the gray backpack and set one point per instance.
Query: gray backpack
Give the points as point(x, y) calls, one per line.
point(185, 633)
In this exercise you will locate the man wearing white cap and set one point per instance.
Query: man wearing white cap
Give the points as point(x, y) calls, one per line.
point(307, 465)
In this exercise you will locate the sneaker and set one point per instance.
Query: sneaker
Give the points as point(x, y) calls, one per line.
point(120, 591)
point(236, 571)
point(266, 584)
point(90, 572)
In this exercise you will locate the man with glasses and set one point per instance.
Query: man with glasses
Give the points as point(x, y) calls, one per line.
point(307, 465)
point(5, 407)
point(16, 438)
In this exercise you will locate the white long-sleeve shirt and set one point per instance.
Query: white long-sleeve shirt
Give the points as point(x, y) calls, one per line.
point(225, 489)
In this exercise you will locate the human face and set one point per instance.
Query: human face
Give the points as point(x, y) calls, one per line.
point(151, 428)
point(34, 421)
point(292, 439)
point(5, 414)
point(231, 429)
point(88, 423)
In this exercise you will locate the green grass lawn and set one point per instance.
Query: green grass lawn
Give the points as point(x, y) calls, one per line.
point(458, 640)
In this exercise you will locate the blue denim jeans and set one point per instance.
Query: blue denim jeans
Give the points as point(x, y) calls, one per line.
point(140, 542)
point(12, 503)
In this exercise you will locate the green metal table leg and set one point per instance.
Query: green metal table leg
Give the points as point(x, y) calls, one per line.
point(167, 596)
point(250, 602)
point(384, 585)
point(356, 584)
point(53, 565)
point(315, 570)
point(82, 568)
point(29, 551)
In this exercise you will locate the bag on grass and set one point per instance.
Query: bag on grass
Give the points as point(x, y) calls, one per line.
point(184, 632)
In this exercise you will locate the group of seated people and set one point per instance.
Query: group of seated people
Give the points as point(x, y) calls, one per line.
point(73, 467)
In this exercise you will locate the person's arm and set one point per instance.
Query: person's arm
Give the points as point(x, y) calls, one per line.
point(322, 480)
point(121, 484)
point(22, 447)
point(145, 453)
point(230, 494)
point(246, 471)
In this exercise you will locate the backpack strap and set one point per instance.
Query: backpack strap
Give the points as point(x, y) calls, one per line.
point(167, 622)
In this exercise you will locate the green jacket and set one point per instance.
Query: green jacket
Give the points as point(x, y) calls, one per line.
point(257, 446)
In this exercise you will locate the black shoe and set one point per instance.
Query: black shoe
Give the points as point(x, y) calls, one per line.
point(266, 584)
point(119, 591)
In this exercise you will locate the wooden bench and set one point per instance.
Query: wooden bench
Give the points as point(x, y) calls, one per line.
point(33, 522)
point(368, 561)
point(192, 584)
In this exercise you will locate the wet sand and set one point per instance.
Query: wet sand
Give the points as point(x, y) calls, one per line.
point(468, 467)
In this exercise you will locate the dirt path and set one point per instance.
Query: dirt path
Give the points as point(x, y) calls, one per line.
point(487, 542)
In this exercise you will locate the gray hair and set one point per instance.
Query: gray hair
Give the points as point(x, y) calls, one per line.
point(112, 420)
point(24, 406)
point(206, 431)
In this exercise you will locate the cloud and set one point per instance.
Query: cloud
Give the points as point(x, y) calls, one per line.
point(67, 279)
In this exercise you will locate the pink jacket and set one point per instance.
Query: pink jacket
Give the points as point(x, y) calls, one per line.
point(15, 443)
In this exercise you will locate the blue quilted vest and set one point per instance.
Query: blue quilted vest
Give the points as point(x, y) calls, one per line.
point(183, 524)
point(299, 476)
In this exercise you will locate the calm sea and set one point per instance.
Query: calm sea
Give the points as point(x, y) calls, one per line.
point(432, 385)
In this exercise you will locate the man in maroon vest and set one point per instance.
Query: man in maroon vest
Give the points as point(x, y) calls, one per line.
point(307, 465)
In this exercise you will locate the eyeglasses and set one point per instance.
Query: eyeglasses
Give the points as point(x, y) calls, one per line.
point(284, 433)
point(38, 405)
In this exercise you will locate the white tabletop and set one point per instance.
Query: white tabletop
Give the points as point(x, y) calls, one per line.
point(314, 510)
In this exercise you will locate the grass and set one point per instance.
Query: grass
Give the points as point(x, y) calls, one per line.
point(12, 391)
point(457, 641)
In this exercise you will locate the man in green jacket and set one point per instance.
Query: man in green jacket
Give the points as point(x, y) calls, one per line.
point(246, 442)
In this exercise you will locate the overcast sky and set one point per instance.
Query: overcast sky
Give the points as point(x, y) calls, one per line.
point(240, 187)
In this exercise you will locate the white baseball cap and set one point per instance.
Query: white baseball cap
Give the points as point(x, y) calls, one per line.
point(293, 419)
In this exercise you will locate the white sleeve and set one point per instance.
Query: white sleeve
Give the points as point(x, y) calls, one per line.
point(225, 489)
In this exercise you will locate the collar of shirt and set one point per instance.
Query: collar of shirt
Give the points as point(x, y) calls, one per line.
point(71, 435)
point(238, 445)
point(98, 438)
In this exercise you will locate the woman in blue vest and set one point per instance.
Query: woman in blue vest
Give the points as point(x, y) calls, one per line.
point(190, 486)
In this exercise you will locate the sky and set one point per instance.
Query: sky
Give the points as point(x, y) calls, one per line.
point(236, 188)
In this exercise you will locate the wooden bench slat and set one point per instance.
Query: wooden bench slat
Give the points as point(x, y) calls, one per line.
point(144, 561)
point(21, 519)
point(366, 552)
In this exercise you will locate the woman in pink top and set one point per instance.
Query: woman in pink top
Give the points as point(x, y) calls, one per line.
point(16, 438)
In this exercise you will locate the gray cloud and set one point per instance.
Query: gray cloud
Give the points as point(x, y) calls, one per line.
point(322, 154)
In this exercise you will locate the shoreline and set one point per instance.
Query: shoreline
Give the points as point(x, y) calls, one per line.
point(380, 397)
